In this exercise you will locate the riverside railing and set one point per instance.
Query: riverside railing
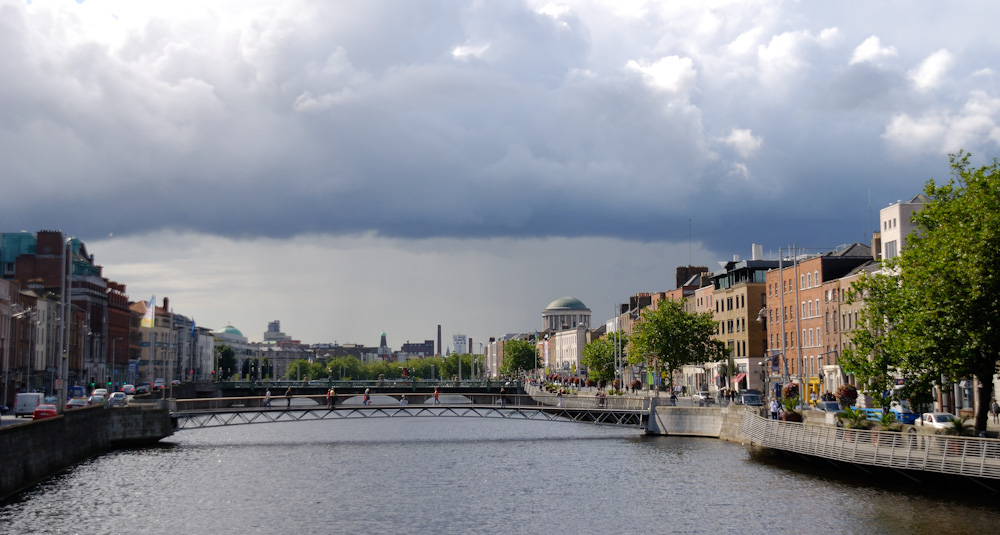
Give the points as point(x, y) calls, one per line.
point(946, 454)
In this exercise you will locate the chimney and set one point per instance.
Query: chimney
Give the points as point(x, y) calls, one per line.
point(757, 251)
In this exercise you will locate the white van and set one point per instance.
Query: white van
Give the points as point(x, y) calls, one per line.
point(26, 403)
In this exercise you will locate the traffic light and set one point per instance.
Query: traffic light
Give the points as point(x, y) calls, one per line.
point(109, 382)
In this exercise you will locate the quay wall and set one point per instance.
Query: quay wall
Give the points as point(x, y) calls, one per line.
point(34, 450)
point(716, 422)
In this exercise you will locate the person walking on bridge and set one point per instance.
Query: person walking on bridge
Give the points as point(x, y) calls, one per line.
point(267, 398)
point(331, 398)
point(367, 400)
point(288, 398)
point(437, 396)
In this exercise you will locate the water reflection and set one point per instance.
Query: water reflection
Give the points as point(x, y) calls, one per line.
point(464, 475)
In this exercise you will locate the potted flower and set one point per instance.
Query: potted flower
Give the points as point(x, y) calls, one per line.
point(791, 412)
point(847, 395)
point(853, 419)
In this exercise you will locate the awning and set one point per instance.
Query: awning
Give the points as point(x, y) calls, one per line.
point(739, 377)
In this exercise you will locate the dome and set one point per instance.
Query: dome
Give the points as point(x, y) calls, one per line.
point(567, 303)
point(230, 330)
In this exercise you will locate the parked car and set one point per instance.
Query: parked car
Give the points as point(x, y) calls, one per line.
point(118, 399)
point(4, 409)
point(45, 410)
point(128, 389)
point(937, 420)
point(702, 398)
point(750, 399)
point(827, 406)
point(75, 403)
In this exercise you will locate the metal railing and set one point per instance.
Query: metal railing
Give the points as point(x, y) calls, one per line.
point(620, 403)
point(947, 454)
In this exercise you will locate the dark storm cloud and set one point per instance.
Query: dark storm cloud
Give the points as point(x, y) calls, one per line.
point(507, 119)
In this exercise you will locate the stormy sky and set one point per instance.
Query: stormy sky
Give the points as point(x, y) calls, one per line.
point(356, 167)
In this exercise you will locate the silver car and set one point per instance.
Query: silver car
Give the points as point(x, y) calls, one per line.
point(702, 398)
point(936, 420)
point(118, 399)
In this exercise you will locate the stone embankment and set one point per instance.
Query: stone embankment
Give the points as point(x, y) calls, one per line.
point(34, 450)
point(714, 422)
point(717, 422)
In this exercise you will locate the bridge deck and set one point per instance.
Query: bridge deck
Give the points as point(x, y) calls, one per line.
point(201, 418)
point(946, 454)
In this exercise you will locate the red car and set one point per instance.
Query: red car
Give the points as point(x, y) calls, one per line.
point(44, 411)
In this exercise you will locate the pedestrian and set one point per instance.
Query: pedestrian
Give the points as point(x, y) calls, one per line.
point(437, 397)
point(673, 399)
point(288, 398)
point(559, 399)
point(333, 397)
point(995, 409)
point(367, 399)
point(503, 402)
point(267, 398)
point(402, 400)
point(774, 408)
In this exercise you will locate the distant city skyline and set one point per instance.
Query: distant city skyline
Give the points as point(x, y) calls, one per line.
point(351, 171)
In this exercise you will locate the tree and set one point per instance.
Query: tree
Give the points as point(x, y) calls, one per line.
point(939, 302)
point(518, 355)
point(226, 357)
point(599, 358)
point(344, 368)
point(304, 370)
point(666, 338)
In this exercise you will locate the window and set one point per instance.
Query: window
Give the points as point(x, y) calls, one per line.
point(819, 341)
point(890, 249)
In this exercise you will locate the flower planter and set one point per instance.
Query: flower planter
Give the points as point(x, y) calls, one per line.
point(790, 416)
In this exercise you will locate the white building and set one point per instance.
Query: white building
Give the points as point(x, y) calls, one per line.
point(896, 225)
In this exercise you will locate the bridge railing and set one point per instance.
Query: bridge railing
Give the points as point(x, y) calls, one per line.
point(589, 400)
point(968, 456)
point(306, 402)
point(385, 383)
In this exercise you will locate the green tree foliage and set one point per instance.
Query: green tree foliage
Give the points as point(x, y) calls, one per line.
point(667, 337)
point(226, 357)
point(518, 356)
point(304, 370)
point(599, 357)
point(936, 314)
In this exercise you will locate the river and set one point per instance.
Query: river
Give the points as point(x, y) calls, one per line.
point(464, 475)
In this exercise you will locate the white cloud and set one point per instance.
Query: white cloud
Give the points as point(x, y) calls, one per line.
point(743, 142)
point(931, 72)
point(872, 51)
point(470, 51)
point(974, 126)
point(672, 74)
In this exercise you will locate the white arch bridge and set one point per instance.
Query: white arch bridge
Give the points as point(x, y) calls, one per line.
point(217, 412)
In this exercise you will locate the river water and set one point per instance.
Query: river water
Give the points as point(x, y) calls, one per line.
point(464, 475)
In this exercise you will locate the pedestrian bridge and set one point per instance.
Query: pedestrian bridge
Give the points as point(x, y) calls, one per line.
point(217, 412)
point(907, 453)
